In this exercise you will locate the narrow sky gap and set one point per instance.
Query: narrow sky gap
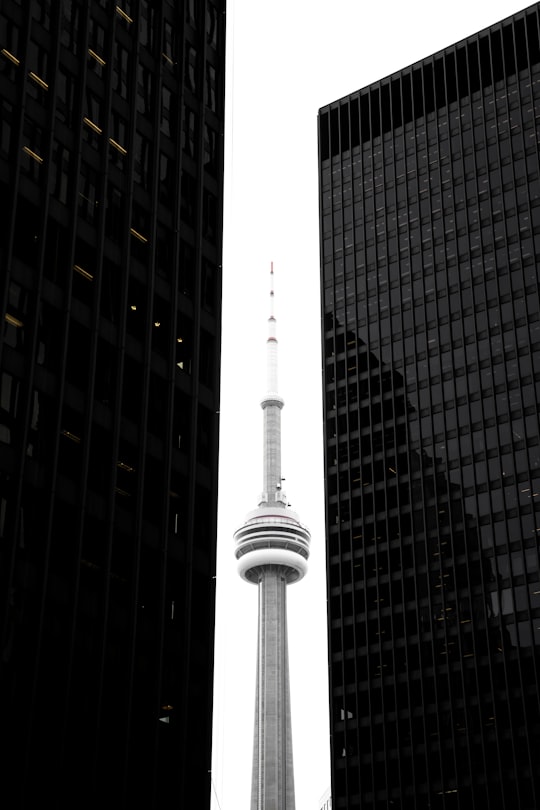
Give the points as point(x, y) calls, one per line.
point(284, 62)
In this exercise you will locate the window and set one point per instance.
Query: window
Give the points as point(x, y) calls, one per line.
point(208, 285)
point(191, 13)
point(70, 445)
point(167, 179)
point(147, 22)
point(211, 25)
point(140, 232)
point(114, 221)
point(140, 223)
point(118, 139)
point(188, 196)
point(142, 165)
point(181, 421)
point(186, 274)
point(96, 47)
point(168, 112)
point(190, 71)
point(9, 51)
point(88, 187)
point(37, 71)
point(9, 395)
point(84, 268)
point(161, 323)
point(184, 344)
point(206, 358)
point(164, 251)
point(65, 97)
point(15, 316)
point(137, 306)
point(121, 71)
point(61, 168)
point(169, 46)
point(42, 13)
point(190, 133)
point(211, 87)
point(6, 114)
point(209, 216)
point(70, 25)
point(33, 150)
point(92, 118)
point(157, 405)
point(78, 356)
point(145, 89)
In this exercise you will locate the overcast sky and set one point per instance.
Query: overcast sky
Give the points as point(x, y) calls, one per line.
point(285, 60)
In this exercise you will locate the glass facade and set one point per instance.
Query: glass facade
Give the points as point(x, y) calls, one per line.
point(111, 180)
point(430, 248)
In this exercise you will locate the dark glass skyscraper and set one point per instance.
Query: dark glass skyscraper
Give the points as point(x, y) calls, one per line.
point(430, 251)
point(111, 181)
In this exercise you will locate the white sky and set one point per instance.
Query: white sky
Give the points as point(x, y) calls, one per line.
point(285, 60)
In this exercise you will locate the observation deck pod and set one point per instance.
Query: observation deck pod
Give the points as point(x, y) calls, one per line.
point(272, 536)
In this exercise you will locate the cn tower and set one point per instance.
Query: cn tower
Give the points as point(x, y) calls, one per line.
point(272, 549)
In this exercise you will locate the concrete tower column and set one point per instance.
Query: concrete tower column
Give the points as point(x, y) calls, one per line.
point(273, 775)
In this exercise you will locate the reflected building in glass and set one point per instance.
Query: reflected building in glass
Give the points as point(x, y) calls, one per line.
point(430, 246)
point(111, 180)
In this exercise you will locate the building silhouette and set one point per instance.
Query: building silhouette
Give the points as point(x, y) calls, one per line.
point(111, 173)
point(430, 223)
point(272, 549)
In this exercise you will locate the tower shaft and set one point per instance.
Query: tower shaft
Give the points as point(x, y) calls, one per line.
point(272, 451)
point(273, 776)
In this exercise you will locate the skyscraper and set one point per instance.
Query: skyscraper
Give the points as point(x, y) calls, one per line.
point(272, 549)
point(111, 179)
point(430, 223)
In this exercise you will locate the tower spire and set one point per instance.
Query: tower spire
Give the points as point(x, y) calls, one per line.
point(272, 404)
point(271, 342)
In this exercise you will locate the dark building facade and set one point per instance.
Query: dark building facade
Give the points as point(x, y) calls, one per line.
point(430, 249)
point(111, 180)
